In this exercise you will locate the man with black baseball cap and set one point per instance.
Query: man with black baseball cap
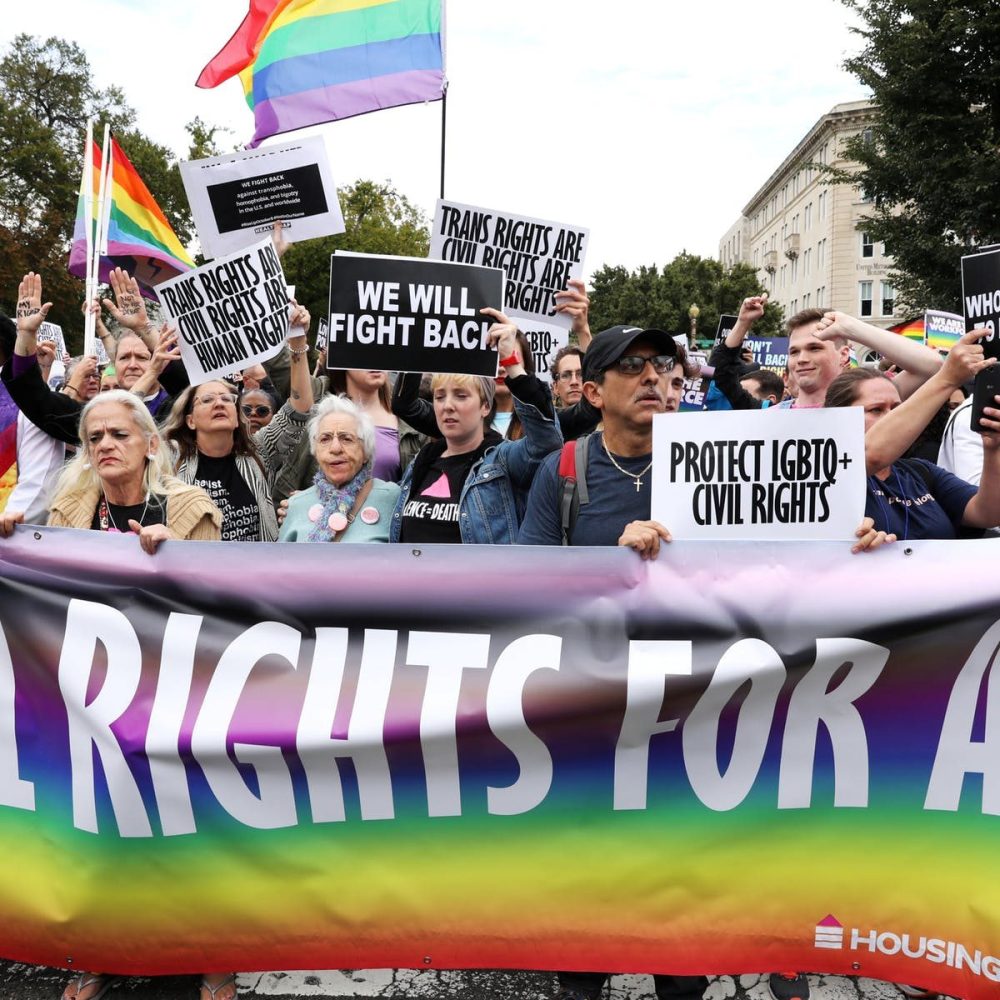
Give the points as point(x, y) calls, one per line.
point(630, 375)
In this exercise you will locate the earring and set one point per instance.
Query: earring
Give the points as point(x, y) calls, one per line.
point(86, 465)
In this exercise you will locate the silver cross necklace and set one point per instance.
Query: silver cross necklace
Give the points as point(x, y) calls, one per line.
point(631, 475)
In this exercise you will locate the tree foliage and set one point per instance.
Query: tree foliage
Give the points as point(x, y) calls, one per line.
point(377, 219)
point(47, 93)
point(930, 164)
point(660, 299)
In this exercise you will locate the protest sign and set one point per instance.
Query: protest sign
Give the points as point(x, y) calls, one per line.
point(321, 333)
point(237, 197)
point(537, 256)
point(769, 352)
point(53, 332)
point(409, 315)
point(546, 340)
point(695, 387)
point(726, 324)
point(981, 297)
point(778, 474)
point(228, 314)
point(942, 330)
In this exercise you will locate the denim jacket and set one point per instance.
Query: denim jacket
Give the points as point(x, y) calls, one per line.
point(496, 491)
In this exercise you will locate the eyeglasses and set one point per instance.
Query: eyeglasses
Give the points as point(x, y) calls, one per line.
point(346, 438)
point(255, 411)
point(210, 397)
point(634, 364)
point(569, 376)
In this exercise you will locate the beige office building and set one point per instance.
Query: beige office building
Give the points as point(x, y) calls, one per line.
point(800, 232)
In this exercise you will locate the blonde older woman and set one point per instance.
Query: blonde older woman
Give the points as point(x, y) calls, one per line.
point(344, 504)
point(122, 480)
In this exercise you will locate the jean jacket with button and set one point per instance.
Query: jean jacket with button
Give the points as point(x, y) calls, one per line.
point(495, 493)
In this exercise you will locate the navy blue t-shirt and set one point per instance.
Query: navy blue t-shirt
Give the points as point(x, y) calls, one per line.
point(911, 504)
point(614, 500)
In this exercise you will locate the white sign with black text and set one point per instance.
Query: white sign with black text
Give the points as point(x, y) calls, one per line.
point(537, 256)
point(236, 198)
point(760, 474)
point(228, 314)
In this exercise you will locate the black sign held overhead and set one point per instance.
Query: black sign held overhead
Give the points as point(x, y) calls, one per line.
point(726, 323)
point(411, 315)
point(981, 297)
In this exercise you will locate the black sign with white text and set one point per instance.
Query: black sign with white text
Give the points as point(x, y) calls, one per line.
point(411, 315)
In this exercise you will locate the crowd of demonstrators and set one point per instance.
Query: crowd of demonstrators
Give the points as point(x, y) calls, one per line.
point(481, 461)
point(216, 451)
point(912, 497)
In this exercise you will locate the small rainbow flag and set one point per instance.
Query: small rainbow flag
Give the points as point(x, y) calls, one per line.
point(139, 237)
point(304, 62)
point(912, 329)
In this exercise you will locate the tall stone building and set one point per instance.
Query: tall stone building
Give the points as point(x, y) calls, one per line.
point(800, 232)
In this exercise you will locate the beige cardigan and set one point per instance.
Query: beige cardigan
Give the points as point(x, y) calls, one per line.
point(191, 515)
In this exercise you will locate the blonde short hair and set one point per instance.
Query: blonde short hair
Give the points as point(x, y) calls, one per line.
point(486, 387)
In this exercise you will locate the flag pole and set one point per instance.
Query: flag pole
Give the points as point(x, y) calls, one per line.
point(89, 346)
point(444, 119)
point(88, 229)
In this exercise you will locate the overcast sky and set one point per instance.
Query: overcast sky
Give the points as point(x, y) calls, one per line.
point(650, 123)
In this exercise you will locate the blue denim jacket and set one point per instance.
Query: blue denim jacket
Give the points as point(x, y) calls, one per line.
point(495, 493)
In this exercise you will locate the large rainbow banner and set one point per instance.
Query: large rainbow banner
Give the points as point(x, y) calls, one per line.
point(740, 758)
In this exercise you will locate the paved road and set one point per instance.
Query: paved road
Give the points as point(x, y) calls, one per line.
point(23, 982)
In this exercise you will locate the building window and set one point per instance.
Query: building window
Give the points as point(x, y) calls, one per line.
point(866, 298)
point(820, 296)
point(795, 269)
point(806, 262)
point(866, 136)
point(809, 216)
point(888, 299)
point(794, 306)
point(867, 245)
point(821, 202)
point(821, 253)
point(784, 267)
point(805, 300)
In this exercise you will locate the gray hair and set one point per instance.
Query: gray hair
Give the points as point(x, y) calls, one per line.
point(341, 404)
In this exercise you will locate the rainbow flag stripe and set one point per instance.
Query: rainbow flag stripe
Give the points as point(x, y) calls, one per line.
point(912, 329)
point(304, 62)
point(140, 239)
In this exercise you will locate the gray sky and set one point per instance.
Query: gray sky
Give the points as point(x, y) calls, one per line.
point(651, 123)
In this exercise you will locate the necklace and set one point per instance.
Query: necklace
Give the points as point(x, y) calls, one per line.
point(631, 475)
point(107, 521)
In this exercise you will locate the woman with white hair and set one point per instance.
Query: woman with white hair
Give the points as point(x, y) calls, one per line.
point(344, 504)
point(122, 480)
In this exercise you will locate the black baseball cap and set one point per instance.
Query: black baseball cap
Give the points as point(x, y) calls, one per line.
point(609, 345)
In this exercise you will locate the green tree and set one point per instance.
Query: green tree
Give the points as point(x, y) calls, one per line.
point(47, 93)
point(660, 299)
point(929, 162)
point(377, 219)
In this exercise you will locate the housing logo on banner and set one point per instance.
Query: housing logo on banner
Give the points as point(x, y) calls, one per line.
point(916, 947)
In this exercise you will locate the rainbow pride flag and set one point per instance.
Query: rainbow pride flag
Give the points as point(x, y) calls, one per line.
point(304, 62)
point(911, 329)
point(139, 237)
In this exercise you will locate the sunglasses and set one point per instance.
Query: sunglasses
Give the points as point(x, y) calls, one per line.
point(255, 411)
point(633, 364)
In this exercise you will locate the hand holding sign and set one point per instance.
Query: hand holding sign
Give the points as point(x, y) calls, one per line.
point(869, 539)
point(574, 302)
point(644, 537)
point(503, 336)
point(966, 359)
